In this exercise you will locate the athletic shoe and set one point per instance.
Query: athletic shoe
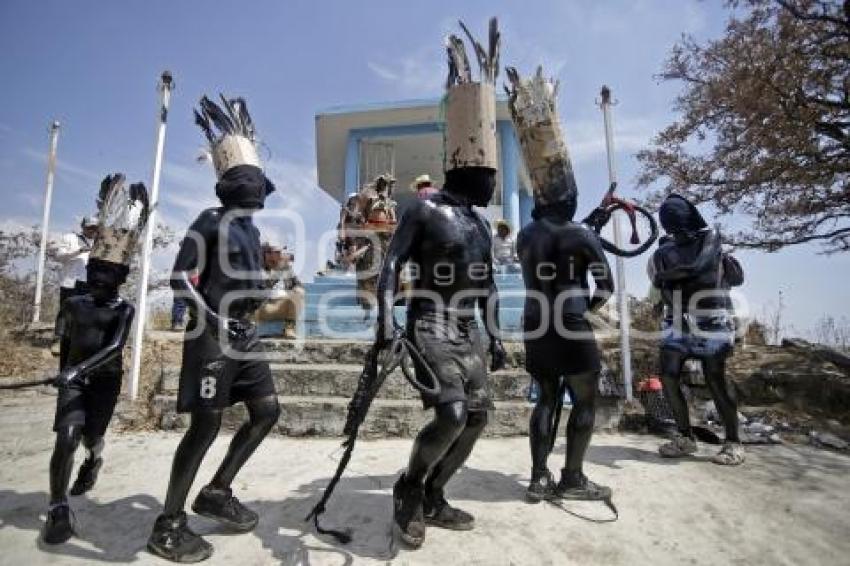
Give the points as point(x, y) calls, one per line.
point(408, 513)
point(539, 487)
point(581, 489)
point(59, 527)
point(87, 476)
point(439, 513)
point(173, 540)
point(732, 454)
point(678, 447)
point(220, 504)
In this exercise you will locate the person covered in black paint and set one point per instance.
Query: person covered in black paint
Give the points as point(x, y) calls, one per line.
point(220, 367)
point(95, 326)
point(449, 245)
point(694, 276)
point(557, 256)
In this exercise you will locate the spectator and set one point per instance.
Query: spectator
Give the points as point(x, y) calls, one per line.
point(286, 293)
point(423, 186)
point(72, 252)
point(504, 248)
point(178, 313)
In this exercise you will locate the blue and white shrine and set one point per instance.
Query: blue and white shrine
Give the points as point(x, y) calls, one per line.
point(354, 144)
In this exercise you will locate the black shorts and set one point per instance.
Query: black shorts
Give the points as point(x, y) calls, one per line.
point(211, 380)
point(454, 350)
point(88, 406)
point(554, 356)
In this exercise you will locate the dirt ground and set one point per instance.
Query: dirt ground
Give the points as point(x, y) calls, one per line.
point(786, 505)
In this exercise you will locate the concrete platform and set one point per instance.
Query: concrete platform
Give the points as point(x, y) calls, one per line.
point(786, 505)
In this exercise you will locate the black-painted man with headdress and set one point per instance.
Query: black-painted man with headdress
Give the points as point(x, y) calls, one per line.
point(558, 256)
point(95, 326)
point(449, 243)
point(220, 351)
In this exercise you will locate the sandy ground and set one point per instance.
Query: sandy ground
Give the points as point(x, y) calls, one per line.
point(787, 505)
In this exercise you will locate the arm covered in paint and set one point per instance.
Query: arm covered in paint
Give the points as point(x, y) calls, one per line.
point(599, 269)
point(407, 232)
point(200, 238)
point(489, 305)
point(77, 373)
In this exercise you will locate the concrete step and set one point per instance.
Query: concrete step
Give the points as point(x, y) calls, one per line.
point(319, 351)
point(340, 380)
point(353, 323)
point(508, 298)
point(325, 416)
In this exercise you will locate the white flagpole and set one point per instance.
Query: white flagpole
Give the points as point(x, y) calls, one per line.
point(45, 219)
point(165, 87)
point(622, 296)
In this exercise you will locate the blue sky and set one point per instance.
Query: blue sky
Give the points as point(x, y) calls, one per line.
point(93, 65)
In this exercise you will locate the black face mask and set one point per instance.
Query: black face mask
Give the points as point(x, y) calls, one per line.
point(244, 186)
point(103, 279)
point(564, 209)
point(471, 185)
point(680, 216)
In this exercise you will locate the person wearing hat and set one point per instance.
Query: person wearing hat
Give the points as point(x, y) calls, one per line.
point(95, 329)
point(72, 253)
point(220, 364)
point(378, 213)
point(423, 186)
point(558, 257)
point(286, 300)
point(450, 244)
point(694, 276)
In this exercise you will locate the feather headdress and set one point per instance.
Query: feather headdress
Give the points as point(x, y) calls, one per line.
point(535, 117)
point(122, 215)
point(470, 135)
point(229, 131)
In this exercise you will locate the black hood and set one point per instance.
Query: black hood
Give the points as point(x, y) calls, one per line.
point(244, 186)
point(471, 185)
point(564, 209)
point(679, 216)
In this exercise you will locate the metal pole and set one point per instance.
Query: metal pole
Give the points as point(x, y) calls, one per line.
point(165, 87)
point(48, 197)
point(622, 296)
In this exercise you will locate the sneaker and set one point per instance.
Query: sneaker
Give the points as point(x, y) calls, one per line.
point(220, 504)
point(87, 476)
point(439, 513)
point(581, 489)
point(408, 513)
point(679, 447)
point(539, 487)
point(173, 540)
point(59, 527)
point(732, 454)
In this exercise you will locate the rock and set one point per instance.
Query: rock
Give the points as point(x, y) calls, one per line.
point(709, 412)
point(758, 428)
point(828, 440)
point(831, 355)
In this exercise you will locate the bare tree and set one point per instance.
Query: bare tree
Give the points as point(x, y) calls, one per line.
point(773, 321)
point(764, 123)
point(833, 331)
point(18, 252)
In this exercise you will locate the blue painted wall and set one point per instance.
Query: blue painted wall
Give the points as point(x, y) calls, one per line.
point(515, 203)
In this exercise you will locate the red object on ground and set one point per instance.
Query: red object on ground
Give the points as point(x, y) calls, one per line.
point(652, 383)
